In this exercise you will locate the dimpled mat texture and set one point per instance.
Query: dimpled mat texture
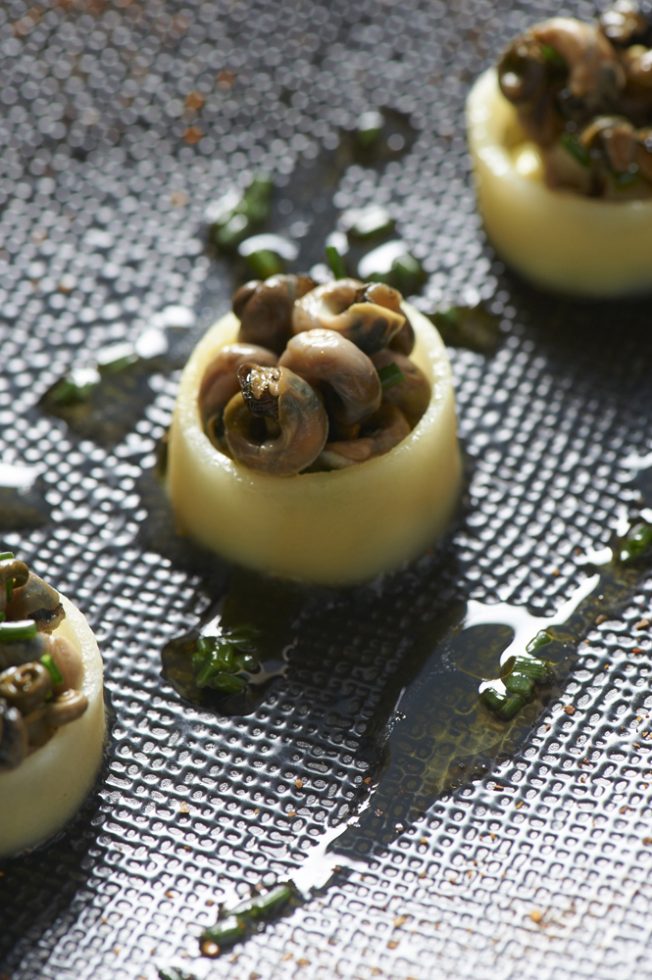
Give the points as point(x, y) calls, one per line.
point(121, 122)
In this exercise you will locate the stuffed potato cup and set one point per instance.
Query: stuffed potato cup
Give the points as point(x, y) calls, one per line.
point(554, 237)
point(335, 527)
point(46, 789)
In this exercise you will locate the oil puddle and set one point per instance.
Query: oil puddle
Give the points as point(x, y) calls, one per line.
point(229, 659)
point(430, 731)
point(22, 498)
point(100, 398)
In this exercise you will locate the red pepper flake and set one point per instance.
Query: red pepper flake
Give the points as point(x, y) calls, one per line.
point(192, 135)
point(226, 78)
point(179, 199)
point(570, 709)
point(636, 650)
point(647, 841)
point(194, 101)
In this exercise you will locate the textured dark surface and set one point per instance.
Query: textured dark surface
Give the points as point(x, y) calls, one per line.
point(540, 869)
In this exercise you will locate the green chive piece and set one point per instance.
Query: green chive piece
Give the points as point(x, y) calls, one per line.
point(268, 905)
point(219, 662)
point(240, 217)
point(113, 360)
point(18, 630)
point(335, 262)
point(540, 640)
point(572, 145)
point(6, 555)
point(367, 224)
point(225, 932)
point(265, 263)
point(517, 683)
point(369, 129)
point(636, 543)
point(395, 265)
point(501, 702)
point(471, 327)
point(552, 57)
point(390, 374)
point(263, 906)
point(52, 669)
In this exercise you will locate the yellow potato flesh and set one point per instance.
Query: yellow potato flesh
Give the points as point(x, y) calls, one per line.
point(556, 238)
point(332, 528)
point(41, 794)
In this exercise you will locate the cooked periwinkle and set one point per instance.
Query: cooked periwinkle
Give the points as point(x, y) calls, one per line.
point(26, 686)
point(13, 737)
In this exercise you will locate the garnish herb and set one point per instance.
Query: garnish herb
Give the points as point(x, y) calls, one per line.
point(471, 327)
point(335, 262)
point(264, 263)
point(52, 669)
point(236, 923)
point(572, 145)
point(368, 224)
point(219, 662)
point(74, 389)
point(17, 630)
point(518, 681)
point(390, 375)
point(238, 220)
point(635, 544)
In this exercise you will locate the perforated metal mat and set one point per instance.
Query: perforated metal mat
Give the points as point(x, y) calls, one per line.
point(121, 122)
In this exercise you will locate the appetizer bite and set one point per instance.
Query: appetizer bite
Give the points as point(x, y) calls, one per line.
point(314, 433)
point(51, 708)
point(560, 134)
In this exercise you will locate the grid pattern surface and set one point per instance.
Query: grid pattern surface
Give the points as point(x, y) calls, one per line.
point(120, 123)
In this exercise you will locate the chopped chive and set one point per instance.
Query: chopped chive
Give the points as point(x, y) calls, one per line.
point(501, 702)
point(73, 389)
point(239, 218)
point(541, 639)
point(369, 129)
point(52, 669)
point(335, 262)
point(218, 662)
point(18, 630)
point(393, 264)
point(517, 683)
point(267, 905)
point(368, 224)
point(6, 555)
point(572, 145)
point(112, 360)
point(472, 327)
point(265, 263)
point(551, 56)
point(636, 543)
point(225, 932)
point(390, 374)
